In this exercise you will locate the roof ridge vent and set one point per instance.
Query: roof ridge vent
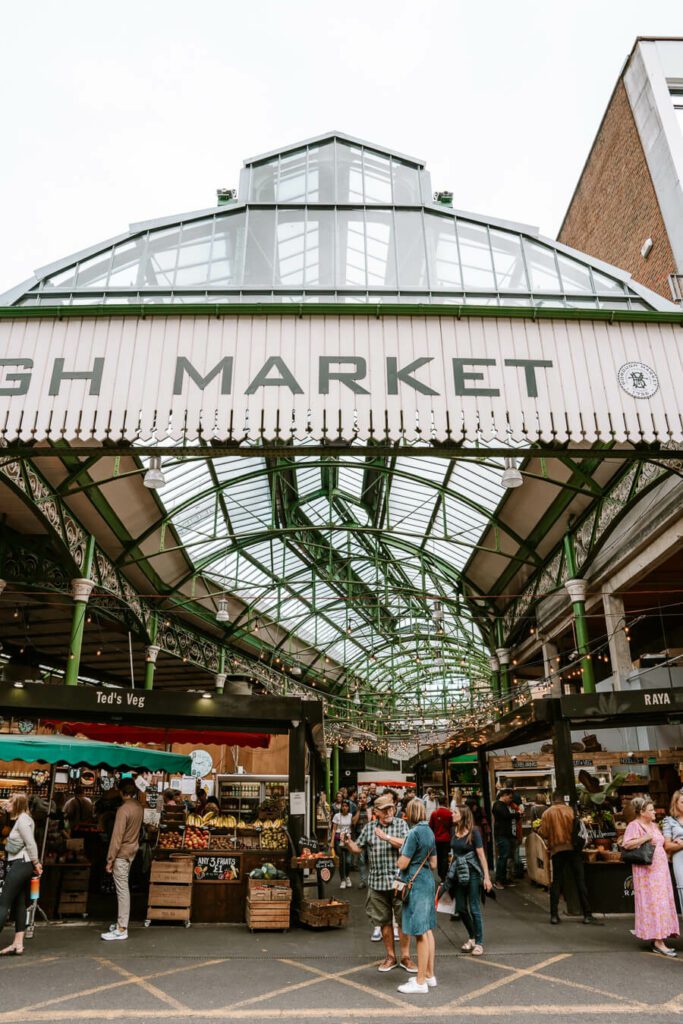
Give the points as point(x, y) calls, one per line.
point(444, 198)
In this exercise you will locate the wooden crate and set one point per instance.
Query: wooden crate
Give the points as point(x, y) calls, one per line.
point(168, 914)
point(263, 890)
point(77, 880)
point(263, 915)
point(323, 914)
point(170, 890)
point(73, 903)
point(168, 895)
point(178, 871)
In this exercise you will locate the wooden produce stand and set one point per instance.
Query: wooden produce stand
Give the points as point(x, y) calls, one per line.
point(170, 890)
point(73, 891)
point(268, 904)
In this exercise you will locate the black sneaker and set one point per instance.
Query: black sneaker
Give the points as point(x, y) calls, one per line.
point(554, 919)
point(589, 919)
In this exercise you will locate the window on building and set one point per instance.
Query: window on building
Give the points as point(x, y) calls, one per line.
point(677, 97)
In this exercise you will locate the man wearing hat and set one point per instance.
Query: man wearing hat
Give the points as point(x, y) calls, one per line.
point(383, 838)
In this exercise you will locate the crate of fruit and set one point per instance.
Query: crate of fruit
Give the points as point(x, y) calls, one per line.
point(329, 913)
point(263, 890)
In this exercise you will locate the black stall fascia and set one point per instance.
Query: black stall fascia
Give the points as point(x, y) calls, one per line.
point(301, 720)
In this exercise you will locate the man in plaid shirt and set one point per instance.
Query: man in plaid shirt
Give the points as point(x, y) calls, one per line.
point(383, 839)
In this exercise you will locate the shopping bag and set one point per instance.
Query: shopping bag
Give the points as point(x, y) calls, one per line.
point(445, 903)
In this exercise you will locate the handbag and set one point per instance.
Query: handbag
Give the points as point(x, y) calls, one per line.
point(640, 855)
point(579, 834)
point(403, 889)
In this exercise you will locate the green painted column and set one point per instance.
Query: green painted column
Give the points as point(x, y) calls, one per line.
point(576, 588)
point(81, 590)
point(151, 655)
point(327, 779)
point(221, 675)
point(335, 770)
point(503, 655)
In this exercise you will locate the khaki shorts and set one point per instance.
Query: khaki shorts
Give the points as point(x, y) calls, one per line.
point(381, 904)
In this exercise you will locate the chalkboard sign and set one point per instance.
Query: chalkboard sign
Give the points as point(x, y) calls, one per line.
point(217, 869)
point(325, 869)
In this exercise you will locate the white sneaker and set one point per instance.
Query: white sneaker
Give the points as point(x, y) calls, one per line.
point(342, 884)
point(114, 935)
point(413, 987)
point(431, 982)
point(376, 934)
point(348, 883)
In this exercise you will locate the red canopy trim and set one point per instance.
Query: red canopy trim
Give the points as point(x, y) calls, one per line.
point(151, 734)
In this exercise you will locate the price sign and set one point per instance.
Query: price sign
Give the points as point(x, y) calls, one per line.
point(325, 869)
point(217, 869)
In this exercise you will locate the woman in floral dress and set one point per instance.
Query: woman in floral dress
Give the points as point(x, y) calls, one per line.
point(656, 916)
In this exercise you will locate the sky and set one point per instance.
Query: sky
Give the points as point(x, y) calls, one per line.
point(117, 113)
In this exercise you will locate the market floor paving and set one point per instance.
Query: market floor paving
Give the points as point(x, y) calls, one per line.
point(531, 971)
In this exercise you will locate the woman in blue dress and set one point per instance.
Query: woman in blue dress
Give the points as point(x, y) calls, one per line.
point(417, 861)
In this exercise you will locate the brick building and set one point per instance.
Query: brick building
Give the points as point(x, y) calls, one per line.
point(627, 208)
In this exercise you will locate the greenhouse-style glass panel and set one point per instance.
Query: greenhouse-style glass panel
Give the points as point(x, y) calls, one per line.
point(575, 276)
point(349, 174)
point(351, 263)
point(127, 266)
point(381, 264)
point(475, 254)
point(263, 179)
point(542, 269)
point(377, 178)
point(412, 254)
point(320, 187)
point(67, 278)
point(603, 283)
point(195, 243)
point(258, 265)
point(442, 250)
point(320, 250)
point(406, 181)
point(94, 272)
point(291, 186)
point(228, 250)
point(508, 261)
point(291, 246)
point(162, 254)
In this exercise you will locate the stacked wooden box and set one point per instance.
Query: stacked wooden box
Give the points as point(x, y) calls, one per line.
point(170, 890)
point(268, 904)
point(324, 913)
point(73, 892)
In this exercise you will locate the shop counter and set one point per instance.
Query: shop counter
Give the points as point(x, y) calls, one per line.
point(610, 887)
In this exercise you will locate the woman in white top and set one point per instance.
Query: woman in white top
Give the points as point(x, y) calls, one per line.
point(672, 830)
point(342, 823)
point(22, 863)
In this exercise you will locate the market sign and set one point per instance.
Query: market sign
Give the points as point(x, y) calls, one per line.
point(237, 378)
point(619, 702)
point(217, 869)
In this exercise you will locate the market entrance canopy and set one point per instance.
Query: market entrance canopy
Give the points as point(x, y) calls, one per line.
point(90, 754)
point(245, 378)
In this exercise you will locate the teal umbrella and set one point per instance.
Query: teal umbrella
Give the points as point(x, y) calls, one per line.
point(90, 754)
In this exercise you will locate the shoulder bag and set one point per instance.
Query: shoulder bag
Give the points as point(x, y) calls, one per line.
point(640, 855)
point(402, 889)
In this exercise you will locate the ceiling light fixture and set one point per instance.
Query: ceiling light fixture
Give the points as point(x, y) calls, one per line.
point(222, 613)
point(154, 477)
point(511, 475)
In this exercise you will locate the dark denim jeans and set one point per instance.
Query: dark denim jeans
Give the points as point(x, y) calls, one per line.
point(15, 892)
point(503, 850)
point(468, 905)
point(564, 863)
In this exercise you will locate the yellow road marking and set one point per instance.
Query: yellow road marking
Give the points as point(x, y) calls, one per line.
point(521, 972)
point(410, 1010)
point(292, 988)
point(110, 985)
point(366, 989)
point(17, 963)
point(142, 982)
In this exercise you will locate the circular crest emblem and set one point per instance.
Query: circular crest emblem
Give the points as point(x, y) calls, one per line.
point(638, 380)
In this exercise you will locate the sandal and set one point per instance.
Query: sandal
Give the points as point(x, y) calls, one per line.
point(11, 951)
point(477, 950)
point(468, 946)
point(387, 964)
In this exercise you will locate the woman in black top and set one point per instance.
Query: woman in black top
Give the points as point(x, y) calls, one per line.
point(468, 870)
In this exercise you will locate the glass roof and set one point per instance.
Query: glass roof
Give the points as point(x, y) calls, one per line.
point(351, 564)
point(333, 220)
